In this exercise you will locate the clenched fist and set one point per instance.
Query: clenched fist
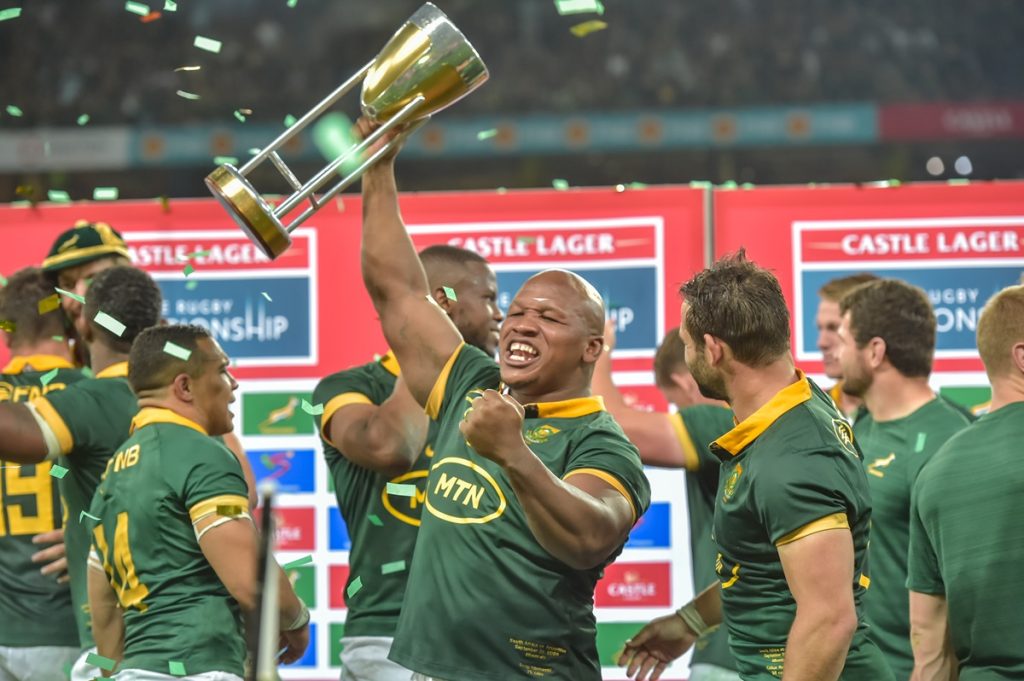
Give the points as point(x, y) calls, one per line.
point(493, 426)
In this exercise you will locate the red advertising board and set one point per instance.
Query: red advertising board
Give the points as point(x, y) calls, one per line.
point(960, 244)
point(635, 585)
point(951, 120)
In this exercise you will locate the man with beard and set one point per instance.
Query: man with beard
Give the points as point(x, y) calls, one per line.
point(792, 511)
point(886, 344)
point(827, 321)
point(531, 493)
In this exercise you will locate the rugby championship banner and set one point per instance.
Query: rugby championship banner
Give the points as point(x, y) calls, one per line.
point(959, 243)
point(290, 321)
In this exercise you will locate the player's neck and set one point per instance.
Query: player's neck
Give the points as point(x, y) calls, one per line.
point(894, 396)
point(752, 388)
point(101, 357)
point(160, 399)
point(47, 347)
point(1006, 390)
point(567, 393)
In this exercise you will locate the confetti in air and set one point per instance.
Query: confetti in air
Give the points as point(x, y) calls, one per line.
point(69, 294)
point(487, 134)
point(313, 410)
point(175, 350)
point(109, 323)
point(208, 44)
point(104, 194)
point(187, 95)
point(83, 119)
point(449, 293)
point(588, 27)
point(14, 111)
point(176, 668)
point(267, 296)
point(58, 471)
point(354, 587)
point(401, 490)
point(49, 304)
point(305, 560)
point(560, 184)
point(58, 196)
point(391, 568)
point(12, 13)
point(136, 8)
point(47, 377)
point(579, 6)
point(104, 663)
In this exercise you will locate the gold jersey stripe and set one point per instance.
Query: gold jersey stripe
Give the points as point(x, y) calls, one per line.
point(836, 521)
point(213, 504)
point(610, 479)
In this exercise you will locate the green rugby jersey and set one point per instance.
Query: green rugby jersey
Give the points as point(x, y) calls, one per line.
point(382, 526)
point(697, 427)
point(166, 476)
point(967, 542)
point(788, 470)
point(894, 453)
point(34, 609)
point(90, 420)
point(485, 602)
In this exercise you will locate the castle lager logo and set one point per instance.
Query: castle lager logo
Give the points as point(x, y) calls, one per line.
point(635, 585)
point(462, 492)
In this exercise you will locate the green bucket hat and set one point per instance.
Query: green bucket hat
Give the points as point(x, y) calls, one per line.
point(85, 242)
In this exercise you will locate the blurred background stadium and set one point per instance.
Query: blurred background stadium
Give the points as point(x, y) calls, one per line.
point(671, 91)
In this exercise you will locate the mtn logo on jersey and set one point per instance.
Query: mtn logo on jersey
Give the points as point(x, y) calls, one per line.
point(463, 493)
point(407, 509)
point(626, 585)
point(540, 434)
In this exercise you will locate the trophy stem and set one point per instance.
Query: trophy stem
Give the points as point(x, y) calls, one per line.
point(351, 177)
point(306, 119)
point(320, 178)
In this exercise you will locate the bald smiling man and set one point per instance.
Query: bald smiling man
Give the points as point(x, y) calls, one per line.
point(531, 493)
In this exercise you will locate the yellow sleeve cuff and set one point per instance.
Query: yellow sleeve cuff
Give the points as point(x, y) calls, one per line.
point(336, 403)
point(611, 480)
point(690, 458)
point(436, 399)
point(836, 521)
point(56, 424)
point(224, 504)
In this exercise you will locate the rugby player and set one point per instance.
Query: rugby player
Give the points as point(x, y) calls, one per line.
point(827, 320)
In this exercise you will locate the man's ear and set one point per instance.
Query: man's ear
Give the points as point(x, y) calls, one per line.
point(1017, 353)
point(442, 300)
point(183, 388)
point(593, 349)
point(715, 349)
point(876, 352)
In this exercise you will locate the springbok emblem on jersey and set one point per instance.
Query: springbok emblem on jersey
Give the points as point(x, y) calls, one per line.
point(730, 483)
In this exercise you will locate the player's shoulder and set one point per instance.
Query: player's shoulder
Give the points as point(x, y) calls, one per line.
point(370, 379)
point(601, 429)
point(708, 416)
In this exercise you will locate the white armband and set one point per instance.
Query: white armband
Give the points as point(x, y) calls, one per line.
point(52, 444)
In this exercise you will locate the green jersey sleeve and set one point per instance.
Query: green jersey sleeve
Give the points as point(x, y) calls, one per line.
point(208, 479)
point(604, 451)
point(923, 573)
point(468, 368)
point(802, 493)
point(84, 416)
point(358, 385)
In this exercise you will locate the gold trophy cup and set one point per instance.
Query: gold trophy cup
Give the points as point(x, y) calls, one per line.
point(427, 66)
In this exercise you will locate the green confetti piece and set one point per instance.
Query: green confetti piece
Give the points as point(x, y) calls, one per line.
point(59, 339)
point(175, 350)
point(198, 254)
point(58, 196)
point(12, 13)
point(47, 377)
point(311, 409)
point(208, 44)
point(449, 293)
point(221, 160)
point(354, 587)
point(191, 284)
point(3, 280)
point(188, 270)
point(83, 514)
point(958, 181)
point(487, 134)
point(187, 95)
point(14, 111)
point(69, 294)
point(919, 445)
point(375, 520)
point(104, 663)
point(170, 6)
point(560, 184)
point(579, 6)
point(254, 150)
point(104, 194)
point(136, 8)
point(267, 296)
point(109, 323)
point(391, 568)
point(292, 3)
point(290, 120)
point(401, 490)
point(305, 560)
point(57, 471)
point(175, 668)
point(240, 116)
point(83, 119)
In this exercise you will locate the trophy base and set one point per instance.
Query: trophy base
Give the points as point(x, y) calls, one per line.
point(249, 210)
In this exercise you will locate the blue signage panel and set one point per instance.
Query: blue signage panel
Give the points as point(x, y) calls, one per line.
point(293, 470)
point(339, 539)
point(654, 529)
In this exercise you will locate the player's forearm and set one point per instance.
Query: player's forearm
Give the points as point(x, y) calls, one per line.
point(390, 438)
point(570, 524)
point(818, 642)
point(290, 605)
point(709, 604)
point(391, 267)
point(934, 659)
point(106, 615)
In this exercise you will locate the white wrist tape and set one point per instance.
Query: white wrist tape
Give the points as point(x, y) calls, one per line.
point(300, 621)
point(688, 613)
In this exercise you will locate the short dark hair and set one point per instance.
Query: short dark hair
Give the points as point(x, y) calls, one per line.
point(128, 295)
point(670, 358)
point(19, 305)
point(151, 366)
point(901, 315)
point(834, 289)
point(447, 262)
point(742, 304)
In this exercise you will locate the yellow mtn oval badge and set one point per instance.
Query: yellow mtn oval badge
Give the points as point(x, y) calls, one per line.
point(407, 509)
point(462, 492)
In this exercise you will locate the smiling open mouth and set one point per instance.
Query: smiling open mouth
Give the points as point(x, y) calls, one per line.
point(519, 353)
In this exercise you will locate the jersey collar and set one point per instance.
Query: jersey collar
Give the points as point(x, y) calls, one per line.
point(390, 364)
point(150, 415)
point(751, 428)
point(119, 370)
point(36, 363)
point(565, 409)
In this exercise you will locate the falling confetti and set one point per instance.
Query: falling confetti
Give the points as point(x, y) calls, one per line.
point(391, 568)
point(208, 44)
point(175, 350)
point(198, 254)
point(221, 160)
point(83, 514)
point(187, 95)
point(191, 285)
point(104, 194)
point(240, 116)
point(560, 184)
point(401, 490)
point(449, 293)
point(14, 111)
point(136, 8)
point(59, 339)
point(354, 587)
point(58, 471)
point(305, 560)
point(267, 296)
point(588, 27)
point(579, 6)
point(7, 325)
point(290, 120)
point(188, 270)
point(58, 196)
point(104, 663)
point(292, 3)
point(375, 520)
point(170, 6)
point(49, 304)
point(313, 410)
point(175, 668)
point(187, 68)
point(487, 134)
point(109, 323)
point(47, 377)
point(12, 13)
point(69, 294)
point(83, 119)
